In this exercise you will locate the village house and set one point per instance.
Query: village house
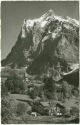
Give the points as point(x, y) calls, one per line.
point(44, 108)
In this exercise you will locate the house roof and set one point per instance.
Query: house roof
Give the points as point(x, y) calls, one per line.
point(46, 104)
point(60, 105)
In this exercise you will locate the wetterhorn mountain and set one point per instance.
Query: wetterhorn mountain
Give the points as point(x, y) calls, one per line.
point(47, 45)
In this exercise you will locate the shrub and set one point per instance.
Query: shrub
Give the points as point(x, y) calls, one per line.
point(74, 111)
point(4, 90)
point(49, 88)
point(21, 109)
point(75, 92)
point(5, 110)
point(66, 88)
point(15, 85)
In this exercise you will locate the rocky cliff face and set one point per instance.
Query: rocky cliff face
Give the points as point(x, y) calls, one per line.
point(47, 45)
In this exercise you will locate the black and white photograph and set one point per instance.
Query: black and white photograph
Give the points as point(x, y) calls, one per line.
point(39, 62)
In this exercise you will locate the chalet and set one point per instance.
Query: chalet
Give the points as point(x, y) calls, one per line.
point(60, 109)
point(45, 104)
point(35, 114)
point(41, 108)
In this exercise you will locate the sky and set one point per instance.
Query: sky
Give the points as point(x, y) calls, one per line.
point(14, 12)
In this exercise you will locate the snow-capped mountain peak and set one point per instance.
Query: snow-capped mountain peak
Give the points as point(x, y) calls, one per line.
point(45, 20)
point(44, 41)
